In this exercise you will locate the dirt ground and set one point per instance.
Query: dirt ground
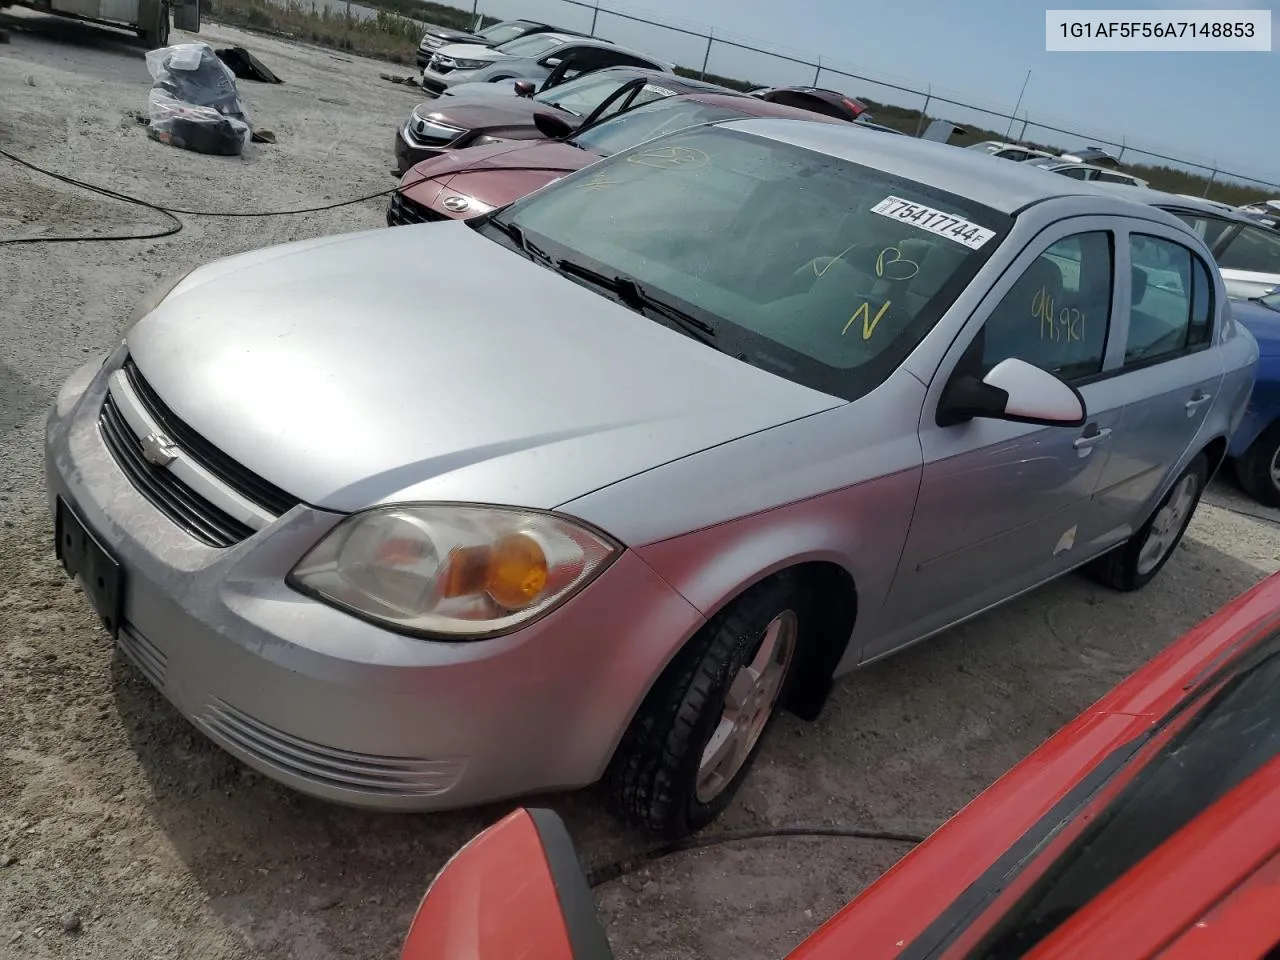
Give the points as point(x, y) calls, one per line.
point(124, 834)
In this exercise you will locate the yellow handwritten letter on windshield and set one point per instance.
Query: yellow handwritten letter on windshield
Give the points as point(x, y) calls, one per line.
point(869, 323)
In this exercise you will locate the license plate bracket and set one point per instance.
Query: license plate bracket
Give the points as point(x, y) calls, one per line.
point(86, 559)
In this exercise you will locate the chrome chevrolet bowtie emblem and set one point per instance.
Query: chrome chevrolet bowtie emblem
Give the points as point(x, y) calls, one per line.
point(456, 204)
point(158, 449)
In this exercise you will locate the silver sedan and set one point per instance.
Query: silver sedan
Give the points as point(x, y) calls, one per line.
point(592, 486)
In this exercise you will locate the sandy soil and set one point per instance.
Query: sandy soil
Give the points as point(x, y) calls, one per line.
point(124, 834)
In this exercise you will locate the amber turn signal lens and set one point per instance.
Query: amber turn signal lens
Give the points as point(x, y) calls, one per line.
point(517, 571)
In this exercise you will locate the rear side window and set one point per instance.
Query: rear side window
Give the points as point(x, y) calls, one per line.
point(1167, 313)
point(1254, 249)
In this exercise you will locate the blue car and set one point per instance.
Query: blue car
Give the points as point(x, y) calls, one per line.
point(1256, 442)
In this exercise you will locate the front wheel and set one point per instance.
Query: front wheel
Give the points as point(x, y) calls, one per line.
point(695, 736)
point(1135, 563)
point(1259, 469)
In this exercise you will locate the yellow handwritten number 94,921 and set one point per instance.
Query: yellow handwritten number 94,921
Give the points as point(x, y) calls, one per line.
point(1067, 324)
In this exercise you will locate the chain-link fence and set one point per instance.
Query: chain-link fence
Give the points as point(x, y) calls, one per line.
point(704, 51)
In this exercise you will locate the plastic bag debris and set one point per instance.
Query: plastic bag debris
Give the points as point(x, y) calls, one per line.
point(246, 66)
point(194, 103)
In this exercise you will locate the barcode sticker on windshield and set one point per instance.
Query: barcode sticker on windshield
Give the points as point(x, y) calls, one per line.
point(935, 221)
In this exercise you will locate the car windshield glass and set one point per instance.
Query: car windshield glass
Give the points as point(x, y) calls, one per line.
point(1234, 734)
point(1271, 301)
point(815, 268)
point(582, 95)
point(653, 119)
point(533, 46)
point(504, 32)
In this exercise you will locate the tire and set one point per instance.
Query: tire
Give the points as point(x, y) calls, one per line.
point(157, 34)
point(658, 779)
point(1128, 567)
point(1258, 470)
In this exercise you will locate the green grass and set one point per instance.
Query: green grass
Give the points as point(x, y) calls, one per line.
point(394, 36)
point(389, 37)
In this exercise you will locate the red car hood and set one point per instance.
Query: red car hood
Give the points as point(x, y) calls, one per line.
point(495, 174)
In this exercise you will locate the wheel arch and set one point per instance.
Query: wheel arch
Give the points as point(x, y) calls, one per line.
point(815, 670)
point(1215, 452)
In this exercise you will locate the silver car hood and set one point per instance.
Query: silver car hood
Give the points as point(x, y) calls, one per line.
point(431, 363)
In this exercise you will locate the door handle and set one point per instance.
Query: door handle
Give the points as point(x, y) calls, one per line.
point(1089, 440)
point(1197, 401)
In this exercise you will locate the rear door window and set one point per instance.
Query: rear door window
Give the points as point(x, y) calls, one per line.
point(1160, 314)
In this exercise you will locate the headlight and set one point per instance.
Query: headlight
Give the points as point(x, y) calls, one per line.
point(153, 299)
point(484, 139)
point(453, 572)
point(424, 128)
point(470, 64)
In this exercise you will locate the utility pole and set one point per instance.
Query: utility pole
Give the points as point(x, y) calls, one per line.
point(1018, 104)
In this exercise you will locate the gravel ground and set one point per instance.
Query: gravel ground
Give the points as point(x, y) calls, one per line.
point(124, 834)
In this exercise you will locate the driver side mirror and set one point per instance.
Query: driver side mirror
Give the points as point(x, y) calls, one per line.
point(551, 126)
point(524, 88)
point(1016, 391)
point(515, 890)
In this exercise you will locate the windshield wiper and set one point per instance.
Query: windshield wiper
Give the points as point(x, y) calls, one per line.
point(516, 235)
point(631, 294)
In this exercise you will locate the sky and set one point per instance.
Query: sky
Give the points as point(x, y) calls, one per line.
point(1211, 108)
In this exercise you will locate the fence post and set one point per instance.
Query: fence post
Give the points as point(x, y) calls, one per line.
point(1212, 177)
point(595, 15)
point(1124, 145)
point(818, 72)
point(924, 111)
point(706, 57)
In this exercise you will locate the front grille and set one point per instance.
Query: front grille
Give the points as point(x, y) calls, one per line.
point(167, 493)
point(403, 211)
point(328, 766)
point(246, 483)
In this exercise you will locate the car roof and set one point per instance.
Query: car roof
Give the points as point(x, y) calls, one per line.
point(666, 79)
point(581, 41)
point(1159, 198)
point(1007, 187)
point(754, 107)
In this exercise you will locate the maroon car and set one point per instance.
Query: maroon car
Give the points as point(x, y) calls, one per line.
point(470, 182)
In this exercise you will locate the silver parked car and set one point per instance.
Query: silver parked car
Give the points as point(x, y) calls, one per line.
point(1248, 254)
point(1084, 171)
point(533, 58)
point(739, 410)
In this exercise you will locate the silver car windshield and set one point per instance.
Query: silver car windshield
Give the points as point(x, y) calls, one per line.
point(818, 269)
point(504, 32)
point(532, 46)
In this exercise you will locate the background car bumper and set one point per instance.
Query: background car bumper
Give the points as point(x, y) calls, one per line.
point(335, 707)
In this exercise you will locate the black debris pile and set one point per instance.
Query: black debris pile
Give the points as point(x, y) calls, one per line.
point(194, 103)
point(246, 66)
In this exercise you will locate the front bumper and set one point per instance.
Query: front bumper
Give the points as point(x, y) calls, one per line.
point(407, 153)
point(333, 706)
